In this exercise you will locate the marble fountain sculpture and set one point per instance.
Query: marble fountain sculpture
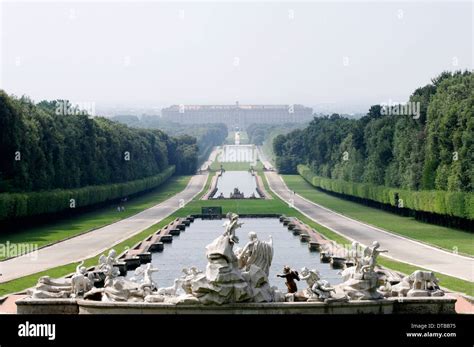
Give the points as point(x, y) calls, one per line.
point(235, 276)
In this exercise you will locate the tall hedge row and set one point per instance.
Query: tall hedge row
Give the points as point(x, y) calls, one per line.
point(44, 148)
point(15, 205)
point(458, 204)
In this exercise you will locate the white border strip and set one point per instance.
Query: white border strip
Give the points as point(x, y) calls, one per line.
point(351, 239)
point(378, 229)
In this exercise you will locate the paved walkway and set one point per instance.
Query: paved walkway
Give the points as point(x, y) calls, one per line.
point(400, 248)
point(263, 158)
point(94, 242)
point(9, 305)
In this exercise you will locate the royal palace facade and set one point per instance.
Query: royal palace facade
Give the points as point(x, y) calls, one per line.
point(237, 115)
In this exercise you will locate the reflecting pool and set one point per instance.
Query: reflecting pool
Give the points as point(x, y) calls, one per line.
point(189, 249)
point(243, 180)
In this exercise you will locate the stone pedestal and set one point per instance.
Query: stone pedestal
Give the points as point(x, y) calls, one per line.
point(324, 257)
point(314, 246)
point(175, 232)
point(417, 293)
point(157, 247)
point(304, 238)
point(166, 238)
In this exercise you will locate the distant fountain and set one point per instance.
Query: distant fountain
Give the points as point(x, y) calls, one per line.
point(237, 138)
point(237, 194)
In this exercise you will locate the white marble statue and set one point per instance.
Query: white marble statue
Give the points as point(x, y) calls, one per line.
point(256, 252)
point(318, 289)
point(423, 280)
point(371, 259)
point(238, 277)
point(418, 284)
point(230, 225)
point(361, 281)
point(106, 264)
point(82, 281)
point(145, 273)
point(121, 289)
point(110, 259)
point(186, 279)
point(49, 288)
point(79, 283)
point(171, 291)
point(188, 276)
point(224, 282)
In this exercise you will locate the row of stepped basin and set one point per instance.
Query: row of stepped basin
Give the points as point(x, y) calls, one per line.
point(329, 252)
point(141, 253)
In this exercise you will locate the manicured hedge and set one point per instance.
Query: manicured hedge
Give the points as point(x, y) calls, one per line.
point(458, 204)
point(15, 205)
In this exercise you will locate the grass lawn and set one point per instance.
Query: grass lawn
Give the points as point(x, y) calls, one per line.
point(443, 237)
point(239, 206)
point(66, 228)
point(236, 166)
point(60, 271)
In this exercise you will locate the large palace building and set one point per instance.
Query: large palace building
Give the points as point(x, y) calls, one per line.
point(237, 115)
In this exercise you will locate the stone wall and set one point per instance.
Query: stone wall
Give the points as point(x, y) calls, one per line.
point(434, 305)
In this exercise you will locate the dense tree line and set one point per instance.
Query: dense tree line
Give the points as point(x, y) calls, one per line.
point(258, 133)
point(43, 149)
point(432, 149)
point(207, 135)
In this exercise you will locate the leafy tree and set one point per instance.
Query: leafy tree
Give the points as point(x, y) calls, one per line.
point(44, 150)
point(433, 151)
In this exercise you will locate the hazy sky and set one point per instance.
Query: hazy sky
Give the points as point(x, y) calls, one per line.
point(161, 53)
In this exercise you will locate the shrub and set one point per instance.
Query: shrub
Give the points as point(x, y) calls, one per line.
point(458, 204)
point(16, 205)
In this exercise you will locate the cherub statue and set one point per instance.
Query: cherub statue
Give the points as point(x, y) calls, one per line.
point(106, 264)
point(370, 260)
point(147, 282)
point(316, 286)
point(109, 260)
point(310, 276)
point(81, 281)
point(231, 225)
